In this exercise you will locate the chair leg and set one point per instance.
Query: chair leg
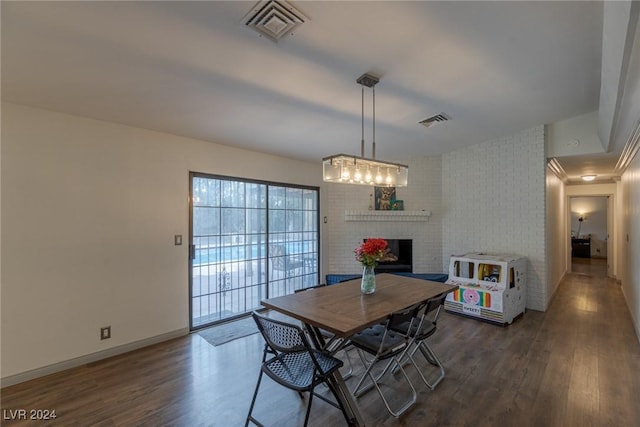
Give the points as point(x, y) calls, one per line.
point(306, 418)
point(253, 401)
point(395, 363)
point(429, 354)
point(414, 394)
point(405, 357)
point(349, 373)
point(357, 391)
point(431, 357)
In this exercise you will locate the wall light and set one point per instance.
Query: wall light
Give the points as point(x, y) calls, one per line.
point(580, 219)
point(588, 177)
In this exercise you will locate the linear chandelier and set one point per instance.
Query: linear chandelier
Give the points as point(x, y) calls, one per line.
point(359, 170)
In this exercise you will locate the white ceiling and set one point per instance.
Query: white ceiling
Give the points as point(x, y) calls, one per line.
point(193, 69)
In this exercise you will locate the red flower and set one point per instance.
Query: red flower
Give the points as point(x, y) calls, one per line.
point(371, 251)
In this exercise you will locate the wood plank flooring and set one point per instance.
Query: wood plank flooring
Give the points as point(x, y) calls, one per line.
point(578, 364)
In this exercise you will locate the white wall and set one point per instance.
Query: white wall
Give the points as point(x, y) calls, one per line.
point(556, 232)
point(494, 201)
point(88, 217)
point(630, 245)
point(424, 192)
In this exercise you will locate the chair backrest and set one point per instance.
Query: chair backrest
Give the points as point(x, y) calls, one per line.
point(433, 307)
point(425, 320)
point(407, 316)
point(281, 336)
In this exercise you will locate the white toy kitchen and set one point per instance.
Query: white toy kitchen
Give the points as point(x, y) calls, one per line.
point(492, 287)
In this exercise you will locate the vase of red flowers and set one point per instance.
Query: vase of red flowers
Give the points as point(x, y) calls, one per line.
point(368, 254)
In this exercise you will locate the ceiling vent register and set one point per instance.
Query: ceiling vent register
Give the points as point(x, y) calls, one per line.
point(274, 19)
point(430, 121)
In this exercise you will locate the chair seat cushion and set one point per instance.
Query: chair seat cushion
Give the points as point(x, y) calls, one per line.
point(370, 340)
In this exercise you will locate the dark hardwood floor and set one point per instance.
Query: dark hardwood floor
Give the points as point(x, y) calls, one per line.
point(578, 364)
point(589, 266)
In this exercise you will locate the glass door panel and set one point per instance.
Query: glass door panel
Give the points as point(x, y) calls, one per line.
point(249, 241)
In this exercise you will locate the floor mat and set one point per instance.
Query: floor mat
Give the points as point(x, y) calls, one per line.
point(220, 334)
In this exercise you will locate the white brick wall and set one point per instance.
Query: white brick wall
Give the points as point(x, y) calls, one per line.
point(424, 192)
point(494, 201)
point(488, 197)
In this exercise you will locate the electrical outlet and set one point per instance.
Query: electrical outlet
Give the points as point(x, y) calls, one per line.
point(105, 333)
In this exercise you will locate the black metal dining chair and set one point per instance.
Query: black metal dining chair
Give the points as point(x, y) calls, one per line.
point(419, 332)
point(329, 336)
point(384, 343)
point(289, 360)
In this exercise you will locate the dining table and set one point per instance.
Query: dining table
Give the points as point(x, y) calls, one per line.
point(344, 310)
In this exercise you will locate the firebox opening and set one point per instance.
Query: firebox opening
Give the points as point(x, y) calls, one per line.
point(402, 249)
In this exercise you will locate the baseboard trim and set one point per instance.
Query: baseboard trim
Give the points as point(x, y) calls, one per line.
point(89, 358)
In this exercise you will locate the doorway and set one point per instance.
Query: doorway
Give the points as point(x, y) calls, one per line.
point(590, 235)
point(249, 240)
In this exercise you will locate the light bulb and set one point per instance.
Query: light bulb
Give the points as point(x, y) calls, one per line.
point(345, 170)
point(388, 178)
point(367, 177)
point(378, 176)
point(358, 175)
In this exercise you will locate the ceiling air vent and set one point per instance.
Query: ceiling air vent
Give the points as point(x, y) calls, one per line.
point(274, 19)
point(430, 121)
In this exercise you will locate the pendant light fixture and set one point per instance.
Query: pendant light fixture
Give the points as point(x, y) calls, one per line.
point(360, 170)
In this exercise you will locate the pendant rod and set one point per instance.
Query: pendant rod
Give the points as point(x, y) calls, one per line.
point(362, 142)
point(373, 154)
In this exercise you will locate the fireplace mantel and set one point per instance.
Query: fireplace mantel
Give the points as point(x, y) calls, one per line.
point(401, 216)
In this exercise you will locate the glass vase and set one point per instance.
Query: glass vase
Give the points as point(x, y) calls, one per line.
point(368, 283)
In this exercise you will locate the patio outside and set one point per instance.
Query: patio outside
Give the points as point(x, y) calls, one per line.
point(222, 289)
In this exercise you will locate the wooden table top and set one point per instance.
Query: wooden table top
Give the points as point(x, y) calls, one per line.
point(344, 310)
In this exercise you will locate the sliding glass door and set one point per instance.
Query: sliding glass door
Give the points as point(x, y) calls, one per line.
point(249, 240)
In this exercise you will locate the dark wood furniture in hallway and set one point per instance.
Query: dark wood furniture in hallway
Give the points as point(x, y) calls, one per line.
point(575, 365)
point(580, 248)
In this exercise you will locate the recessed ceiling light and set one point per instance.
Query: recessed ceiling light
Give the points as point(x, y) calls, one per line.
point(573, 143)
point(588, 177)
